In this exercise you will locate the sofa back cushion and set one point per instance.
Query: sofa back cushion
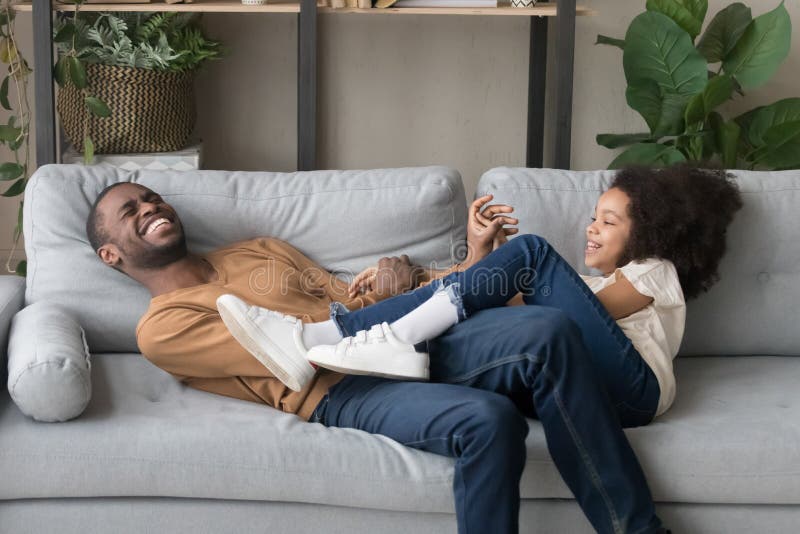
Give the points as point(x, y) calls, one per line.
point(344, 220)
point(753, 309)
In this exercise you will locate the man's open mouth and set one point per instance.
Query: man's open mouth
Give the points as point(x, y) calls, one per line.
point(153, 224)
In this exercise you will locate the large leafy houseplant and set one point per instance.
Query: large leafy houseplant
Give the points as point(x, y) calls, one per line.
point(676, 83)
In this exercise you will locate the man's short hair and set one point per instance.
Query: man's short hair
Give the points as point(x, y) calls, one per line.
point(94, 223)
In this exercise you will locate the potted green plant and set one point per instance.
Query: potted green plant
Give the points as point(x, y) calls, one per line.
point(126, 80)
point(677, 84)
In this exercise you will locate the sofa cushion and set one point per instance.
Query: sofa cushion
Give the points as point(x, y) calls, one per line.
point(732, 436)
point(753, 309)
point(328, 215)
point(49, 365)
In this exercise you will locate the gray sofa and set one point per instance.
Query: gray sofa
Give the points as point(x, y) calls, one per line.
point(131, 450)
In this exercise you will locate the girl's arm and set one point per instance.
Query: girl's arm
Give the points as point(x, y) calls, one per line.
point(621, 298)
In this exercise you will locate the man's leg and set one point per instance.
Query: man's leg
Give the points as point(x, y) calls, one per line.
point(538, 351)
point(483, 431)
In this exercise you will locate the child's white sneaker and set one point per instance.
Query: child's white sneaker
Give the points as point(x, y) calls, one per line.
point(374, 352)
point(275, 339)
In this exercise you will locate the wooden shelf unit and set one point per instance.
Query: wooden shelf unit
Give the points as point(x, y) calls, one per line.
point(202, 6)
point(563, 12)
point(289, 6)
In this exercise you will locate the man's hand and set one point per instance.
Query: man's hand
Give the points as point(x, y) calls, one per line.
point(485, 231)
point(391, 277)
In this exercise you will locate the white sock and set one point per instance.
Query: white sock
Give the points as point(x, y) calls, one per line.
point(426, 321)
point(324, 333)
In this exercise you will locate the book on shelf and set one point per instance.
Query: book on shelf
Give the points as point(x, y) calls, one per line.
point(445, 3)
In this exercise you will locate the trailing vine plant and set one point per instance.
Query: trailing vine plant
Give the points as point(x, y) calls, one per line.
point(15, 134)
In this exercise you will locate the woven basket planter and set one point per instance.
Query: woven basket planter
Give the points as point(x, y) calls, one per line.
point(151, 111)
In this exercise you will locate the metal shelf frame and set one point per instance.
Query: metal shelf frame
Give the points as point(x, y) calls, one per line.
point(307, 87)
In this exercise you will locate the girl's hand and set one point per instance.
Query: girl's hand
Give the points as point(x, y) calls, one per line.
point(363, 282)
point(485, 231)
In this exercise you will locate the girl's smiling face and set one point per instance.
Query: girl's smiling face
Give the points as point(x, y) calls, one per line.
point(608, 233)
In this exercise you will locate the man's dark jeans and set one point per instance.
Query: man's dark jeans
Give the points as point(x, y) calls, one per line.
point(561, 358)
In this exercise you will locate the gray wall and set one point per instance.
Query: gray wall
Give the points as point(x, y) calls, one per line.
point(410, 90)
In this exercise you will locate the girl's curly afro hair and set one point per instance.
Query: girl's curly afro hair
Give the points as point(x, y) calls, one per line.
point(680, 213)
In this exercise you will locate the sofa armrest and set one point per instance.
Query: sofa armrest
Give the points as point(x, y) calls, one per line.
point(12, 299)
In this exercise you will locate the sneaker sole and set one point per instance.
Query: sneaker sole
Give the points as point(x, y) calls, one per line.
point(284, 367)
point(417, 370)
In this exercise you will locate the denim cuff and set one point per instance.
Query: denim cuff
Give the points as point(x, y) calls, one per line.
point(337, 309)
point(453, 290)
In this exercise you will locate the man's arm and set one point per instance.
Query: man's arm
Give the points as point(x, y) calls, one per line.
point(193, 342)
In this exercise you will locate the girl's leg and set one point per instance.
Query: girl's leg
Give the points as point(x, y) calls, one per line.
point(529, 265)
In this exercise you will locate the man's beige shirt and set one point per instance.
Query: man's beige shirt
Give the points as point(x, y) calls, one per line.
point(182, 332)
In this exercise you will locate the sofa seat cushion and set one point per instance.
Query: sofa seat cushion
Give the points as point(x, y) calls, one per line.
point(732, 436)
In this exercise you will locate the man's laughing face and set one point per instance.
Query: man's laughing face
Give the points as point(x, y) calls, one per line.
point(143, 232)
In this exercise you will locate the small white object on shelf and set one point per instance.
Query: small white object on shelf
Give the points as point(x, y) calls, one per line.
point(187, 159)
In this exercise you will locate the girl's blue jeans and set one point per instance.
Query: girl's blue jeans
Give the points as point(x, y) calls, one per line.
point(561, 359)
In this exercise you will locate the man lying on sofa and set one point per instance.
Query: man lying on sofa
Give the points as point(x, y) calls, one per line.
point(134, 231)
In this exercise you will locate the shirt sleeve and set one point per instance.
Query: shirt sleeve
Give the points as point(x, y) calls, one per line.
point(194, 342)
point(317, 276)
point(441, 274)
point(656, 278)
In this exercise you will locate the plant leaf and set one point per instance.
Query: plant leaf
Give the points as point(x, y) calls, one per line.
point(687, 14)
point(763, 46)
point(755, 123)
point(781, 146)
point(9, 133)
point(724, 31)
point(97, 106)
point(18, 227)
point(671, 156)
point(663, 112)
point(602, 39)
point(8, 52)
point(88, 150)
point(77, 72)
point(22, 268)
point(10, 171)
point(671, 121)
point(647, 154)
point(4, 94)
point(618, 140)
point(726, 138)
point(60, 72)
point(16, 188)
point(658, 49)
point(645, 97)
point(65, 33)
point(718, 90)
